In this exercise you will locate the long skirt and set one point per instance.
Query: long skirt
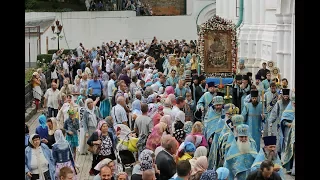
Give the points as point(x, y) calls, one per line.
point(73, 140)
point(65, 164)
point(37, 92)
point(83, 147)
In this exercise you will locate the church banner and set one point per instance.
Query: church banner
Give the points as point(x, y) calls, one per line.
point(218, 48)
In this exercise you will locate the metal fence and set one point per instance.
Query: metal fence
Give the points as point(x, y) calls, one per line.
point(28, 90)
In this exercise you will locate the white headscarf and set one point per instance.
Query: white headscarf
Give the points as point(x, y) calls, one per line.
point(181, 116)
point(103, 162)
point(91, 112)
point(61, 141)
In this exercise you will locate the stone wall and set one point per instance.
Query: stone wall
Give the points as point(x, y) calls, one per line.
point(168, 7)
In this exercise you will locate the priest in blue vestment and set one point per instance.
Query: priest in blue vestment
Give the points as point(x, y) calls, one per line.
point(206, 99)
point(276, 114)
point(270, 100)
point(226, 140)
point(213, 124)
point(172, 79)
point(241, 154)
point(253, 116)
point(287, 137)
point(268, 152)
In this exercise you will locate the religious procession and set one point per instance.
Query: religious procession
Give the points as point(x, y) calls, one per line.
point(163, 109)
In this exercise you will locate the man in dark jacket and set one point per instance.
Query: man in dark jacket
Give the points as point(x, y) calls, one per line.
point(265, 172)
point(165, 160)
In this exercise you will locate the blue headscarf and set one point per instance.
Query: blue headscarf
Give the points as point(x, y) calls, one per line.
point(223, 173)
point(209, 175)
point(136, 107)
point(189, 147)
point(42, 121)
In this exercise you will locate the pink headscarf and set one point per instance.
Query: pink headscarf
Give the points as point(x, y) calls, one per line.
point(200, 165)
point(100, 124)
point(169, 90)
point(154, 139)
point(172, 98)
point(156, 119)
point(167, 119)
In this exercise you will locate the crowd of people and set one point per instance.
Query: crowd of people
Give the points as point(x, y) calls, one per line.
point(142, 8)
point(145, 106)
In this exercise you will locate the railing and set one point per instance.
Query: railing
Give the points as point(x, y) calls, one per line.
point(28, 90)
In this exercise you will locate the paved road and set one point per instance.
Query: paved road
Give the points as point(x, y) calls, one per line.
point(84, 161)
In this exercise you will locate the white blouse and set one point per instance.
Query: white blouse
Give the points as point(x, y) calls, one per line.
point(37, 157)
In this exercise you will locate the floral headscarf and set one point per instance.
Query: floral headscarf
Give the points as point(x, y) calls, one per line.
point(209, 175)
point(188, 127)
point(146, 159)
point(100, 124)
point(179, 134)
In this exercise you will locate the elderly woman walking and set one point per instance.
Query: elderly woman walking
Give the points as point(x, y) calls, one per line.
point(104, 140)
point(38, 160)
point(37, 92)
point(71, 126)
point(62, 154)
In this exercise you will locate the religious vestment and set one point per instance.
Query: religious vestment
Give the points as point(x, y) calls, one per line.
point(240, 163)
point(172, 81)
point(270, 99)
point(287, 137)
point(274, 119)
point(252, 117)
point(213, 124)
point(262, 157)
point(205, 101)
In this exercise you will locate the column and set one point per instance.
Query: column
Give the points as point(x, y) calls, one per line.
point(247, 12)
point(293, 59)
point(255, 12)
point(262, 11)
point(280, 43)
point(219, 7)
point(287, 45)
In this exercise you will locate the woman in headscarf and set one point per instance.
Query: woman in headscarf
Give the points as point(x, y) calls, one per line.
point(72, 126)
point(201, 151)
point(158, 115)
point(146, 161)
point(179, 121)
point(146, 94)
point(188, 127)
point(198, 167)
point(167, 120)
point(104, 140)
point(37, 92)
point(111, 129)
point(76, 89)
point(197, 131)
point(38, 160)
point(67, 87)
point(63, 115)
point(91, 117)
point(122, 176)
point(187, 152)
point(223, 173)
point(42, 129)
point(102, 163)
point(81, 98)
point(172, 98)
point(169, 90)
point(135, 110)
point(52, 127)
point(62, 154)
point(209, 175)
point(167, 107)
point(153, 107)
point(179, 134)
point(154, 139)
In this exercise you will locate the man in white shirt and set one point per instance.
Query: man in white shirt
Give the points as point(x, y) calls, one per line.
point(65, 66)
point(118, 113)
point(111, 85)
point(180, 102)
point(80, 50)
point(52, 99)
